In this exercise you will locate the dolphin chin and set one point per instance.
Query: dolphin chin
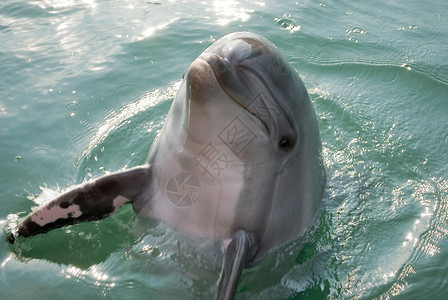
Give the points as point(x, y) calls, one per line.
point(238, 161)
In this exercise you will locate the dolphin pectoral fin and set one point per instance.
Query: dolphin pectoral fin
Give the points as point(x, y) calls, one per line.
point(93, 200)
point(235, 256)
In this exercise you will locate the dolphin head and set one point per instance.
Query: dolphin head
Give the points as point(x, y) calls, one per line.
point(242, 83)
point(242, 124)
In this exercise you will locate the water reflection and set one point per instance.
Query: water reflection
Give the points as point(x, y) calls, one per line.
point(93, 274)
point(58, 4)
point(428, 231)
point(153, 29)
point(231, 10)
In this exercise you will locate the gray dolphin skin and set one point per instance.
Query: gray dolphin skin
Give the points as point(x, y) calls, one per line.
point(238, 160)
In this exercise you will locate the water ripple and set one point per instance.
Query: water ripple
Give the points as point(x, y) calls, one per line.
point(129, 88)
point(388, 74)
point(72, 108)
point(116, 120)
point(42, 152)
point(287, 23)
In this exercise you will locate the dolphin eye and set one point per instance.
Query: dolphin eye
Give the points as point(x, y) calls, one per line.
point(286, 143)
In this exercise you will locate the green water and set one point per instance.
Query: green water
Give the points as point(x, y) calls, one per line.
point(86, 85)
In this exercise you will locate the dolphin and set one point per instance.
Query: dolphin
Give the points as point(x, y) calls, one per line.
point(238, 161)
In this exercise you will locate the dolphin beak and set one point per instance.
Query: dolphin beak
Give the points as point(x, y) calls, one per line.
point(232, 81)
point(227, 77)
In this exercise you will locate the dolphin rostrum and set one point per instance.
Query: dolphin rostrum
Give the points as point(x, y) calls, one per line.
point(238, 160)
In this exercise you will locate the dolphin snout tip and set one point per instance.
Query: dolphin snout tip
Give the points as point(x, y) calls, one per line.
point(201, 79)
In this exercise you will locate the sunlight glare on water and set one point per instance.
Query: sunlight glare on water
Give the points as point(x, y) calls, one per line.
point(231, 10)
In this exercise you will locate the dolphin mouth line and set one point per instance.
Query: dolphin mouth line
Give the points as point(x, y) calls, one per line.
point(224, 70)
